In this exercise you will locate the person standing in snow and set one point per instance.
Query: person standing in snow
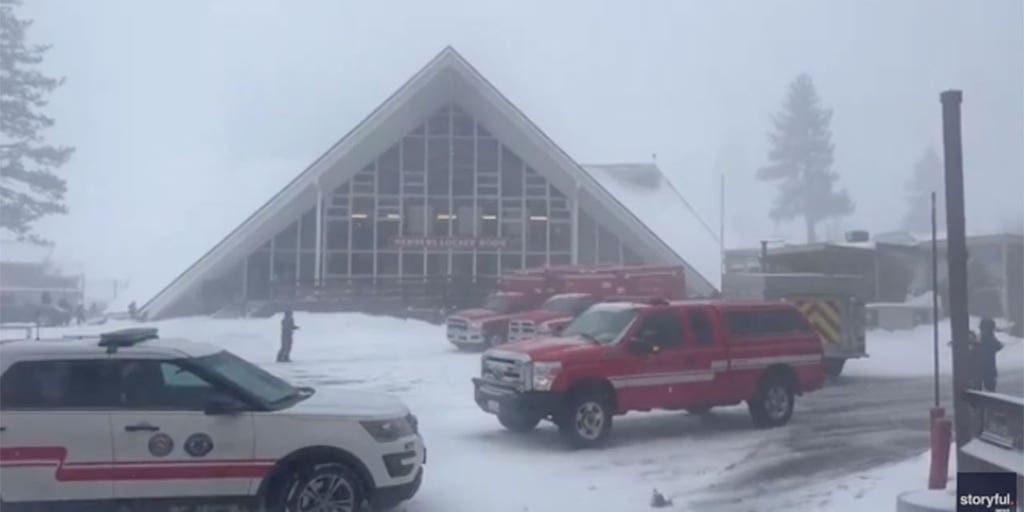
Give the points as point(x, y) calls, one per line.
point(288, 328)
point(985, 354)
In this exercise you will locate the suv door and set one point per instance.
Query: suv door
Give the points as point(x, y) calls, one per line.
point(706, 356)
point(174, 447)
point(55, 430)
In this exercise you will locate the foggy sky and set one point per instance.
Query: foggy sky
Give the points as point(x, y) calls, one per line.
point(188, 115)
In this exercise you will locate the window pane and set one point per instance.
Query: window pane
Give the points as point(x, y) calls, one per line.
point(337, 263)
point(58, 384)
point(362, 264)
point(387, 264)
point(307, 268)
point(462, 263)
point(462, 124)
point(387, 171)
point(486, 264)
point(308, 230)
point(663, 328)
point(362, 233)
point(414, 216)
point(511, 174)
point(608, 246)
point(337, 234)
point(288, 238)
point(561, 259)
point(587, 240)
point(412, 263)
point(258, 279)
point(162, 385)
point(437, 264)
point(440, 215)
point(437, 166)
point(465, 217)
point(439, 124)
point(387, 230)
point(487, 156)
point(488, 217)
point(511, 262)
point(284, 268)
point(700, 325)
point(561, 237)
point(536, 260)
point(413, 154)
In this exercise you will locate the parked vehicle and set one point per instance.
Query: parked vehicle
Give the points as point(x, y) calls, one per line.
point(617, 357)
point(131, 420)
point(521, 293)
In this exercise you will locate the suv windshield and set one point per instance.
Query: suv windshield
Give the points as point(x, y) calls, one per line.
point(262, 385)
point(501, 303)
point(602, 324)
point(571, 304)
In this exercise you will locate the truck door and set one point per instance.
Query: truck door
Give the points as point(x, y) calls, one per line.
point(706, 357)
point(653, 367)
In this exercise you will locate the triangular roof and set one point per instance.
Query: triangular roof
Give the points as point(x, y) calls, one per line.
point(448, 76)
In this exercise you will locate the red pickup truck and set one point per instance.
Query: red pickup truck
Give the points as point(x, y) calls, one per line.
point(617, 357)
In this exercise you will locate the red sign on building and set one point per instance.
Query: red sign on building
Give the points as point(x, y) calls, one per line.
point(447, 242)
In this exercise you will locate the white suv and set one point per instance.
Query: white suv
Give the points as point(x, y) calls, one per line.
point(128, 418)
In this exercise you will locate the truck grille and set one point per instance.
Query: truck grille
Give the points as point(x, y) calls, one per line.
point(460, 333)
point(521, 330)
point(504, 371)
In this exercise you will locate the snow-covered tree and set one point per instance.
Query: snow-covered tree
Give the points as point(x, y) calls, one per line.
point(927, 178)
point(800, 161)
point(29, 188)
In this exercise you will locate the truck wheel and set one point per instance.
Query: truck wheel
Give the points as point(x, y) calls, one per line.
point(326, 487)
point(773, 405)
point(833, 367)
point(519, 423)
point(586, 420)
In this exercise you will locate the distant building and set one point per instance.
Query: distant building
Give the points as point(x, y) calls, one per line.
point(441, 190)
point(28, 279)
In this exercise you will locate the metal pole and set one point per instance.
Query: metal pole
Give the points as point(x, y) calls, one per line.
point(721, 226)
point(935, 299)
point(956, 257)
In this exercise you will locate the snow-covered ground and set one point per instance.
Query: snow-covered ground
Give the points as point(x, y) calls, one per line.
point(475, 465)
point(910, 352)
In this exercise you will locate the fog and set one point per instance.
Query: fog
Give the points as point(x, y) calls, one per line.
point(188, 115)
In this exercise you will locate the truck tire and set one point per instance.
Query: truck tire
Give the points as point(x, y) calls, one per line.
point(586, 420)
point(833, 367)
point(331, 484)
point(773, 404)
point(518, 423)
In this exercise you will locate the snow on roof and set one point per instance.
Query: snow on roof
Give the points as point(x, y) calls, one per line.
point(651, 197)
point(15, 251)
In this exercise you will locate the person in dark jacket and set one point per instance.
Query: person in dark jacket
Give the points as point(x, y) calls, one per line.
point(985, 354)
point(288, 327)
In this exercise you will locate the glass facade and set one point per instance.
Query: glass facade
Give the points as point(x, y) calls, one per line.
point(448, 199)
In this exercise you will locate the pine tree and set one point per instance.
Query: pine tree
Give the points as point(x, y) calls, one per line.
point(800, 161)
point(29, 189)
point(926, 178)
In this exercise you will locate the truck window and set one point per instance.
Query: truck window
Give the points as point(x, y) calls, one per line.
point(700, 324)
point(572, 304)
point(605, 325)
point(54, 384)
point(756, 324)
point(667, 329)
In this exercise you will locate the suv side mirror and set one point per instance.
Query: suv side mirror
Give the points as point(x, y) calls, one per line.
point(221, 407)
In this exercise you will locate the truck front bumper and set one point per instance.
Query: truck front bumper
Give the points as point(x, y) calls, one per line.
point(501, 399)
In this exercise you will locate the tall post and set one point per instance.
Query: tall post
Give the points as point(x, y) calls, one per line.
point(576, 224)
point(318, 245)
point(956, 257)
point(721, 225)
point(935, 299)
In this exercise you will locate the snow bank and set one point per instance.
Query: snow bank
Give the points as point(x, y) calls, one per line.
point(910, 352)
point(876, 489)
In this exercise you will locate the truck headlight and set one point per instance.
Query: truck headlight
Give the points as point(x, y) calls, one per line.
point(385, 431)
point(544, 373)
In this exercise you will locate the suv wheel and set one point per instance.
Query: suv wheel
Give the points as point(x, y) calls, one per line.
point(519, 423)
point(586, 421)
point(329, 486)
point(773, 405)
